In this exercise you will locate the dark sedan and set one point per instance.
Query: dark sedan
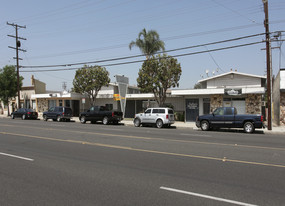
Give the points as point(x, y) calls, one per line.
point(24, 114)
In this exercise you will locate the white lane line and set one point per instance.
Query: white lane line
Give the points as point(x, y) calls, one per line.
point(197, 135)
point(15, 156)
point(207, 196)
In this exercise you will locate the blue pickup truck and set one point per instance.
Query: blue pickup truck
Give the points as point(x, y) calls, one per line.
point(227, 117)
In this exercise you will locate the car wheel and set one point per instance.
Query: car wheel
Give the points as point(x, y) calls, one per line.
point(58, 118)
point(248, 127)
point(205, 126)
point(12, 116)
point(83, 120)
point(105, 120)
point(159, 123)
point(45, 118)
point(23, 117)
point(137, 122)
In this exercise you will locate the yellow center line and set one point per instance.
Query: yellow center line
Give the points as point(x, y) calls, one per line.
point(147, 151)
point(154, 138)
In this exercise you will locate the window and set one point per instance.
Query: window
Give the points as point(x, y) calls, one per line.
point(51, 109)
point(148, 111)
point(60, 103)
point(219, 111)
point(155, 111)
point(109, 107)
point(229, 111)
point(170, 111)
point(51, 103)
point(161, 111)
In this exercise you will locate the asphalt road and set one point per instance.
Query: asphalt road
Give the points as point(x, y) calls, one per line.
point(68, 163)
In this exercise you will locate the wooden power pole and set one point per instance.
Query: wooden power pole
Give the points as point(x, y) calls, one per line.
point(18, 44)
point(268, 63)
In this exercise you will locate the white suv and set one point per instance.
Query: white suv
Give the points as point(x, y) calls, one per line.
point(157, 116)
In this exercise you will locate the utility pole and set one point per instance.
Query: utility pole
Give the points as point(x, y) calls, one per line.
point(268, 63)
point(18, 44)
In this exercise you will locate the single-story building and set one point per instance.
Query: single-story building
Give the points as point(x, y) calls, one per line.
point(231, 89)
point(278, 99)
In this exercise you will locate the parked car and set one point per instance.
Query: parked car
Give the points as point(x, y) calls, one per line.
point(58, 114)
point(100, 113)
point(227, 117)
point(155, 116)
point(24, 114)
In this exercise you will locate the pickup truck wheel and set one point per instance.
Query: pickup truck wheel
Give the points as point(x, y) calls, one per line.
point(58, 118)
point(205, 126)
point(105, 120)
point(137, 122)
point(248, 127)
point(83, 120)
point(159, 123)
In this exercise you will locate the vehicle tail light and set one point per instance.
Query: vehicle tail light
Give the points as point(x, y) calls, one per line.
point(167, 116)
point(113, 114)
point(29, 113)
point(62, 113)
point(261, 118)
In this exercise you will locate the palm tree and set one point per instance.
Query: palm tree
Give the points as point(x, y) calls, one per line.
point(149, 44)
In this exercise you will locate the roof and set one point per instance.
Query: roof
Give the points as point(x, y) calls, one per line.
point(232, 72)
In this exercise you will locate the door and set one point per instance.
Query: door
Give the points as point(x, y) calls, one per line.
point(192, 109)
point(218, 117)
point(146, 116)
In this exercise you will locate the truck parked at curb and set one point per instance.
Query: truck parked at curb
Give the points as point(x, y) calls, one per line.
point(227, 117)
point(100, 113)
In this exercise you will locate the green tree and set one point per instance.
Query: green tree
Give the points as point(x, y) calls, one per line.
point(8, 84)
point(148, 42)
point(89, 80)
point(198, 86)
point(159, 74)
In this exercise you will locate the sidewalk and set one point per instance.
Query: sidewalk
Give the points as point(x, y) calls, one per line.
point(179, 124)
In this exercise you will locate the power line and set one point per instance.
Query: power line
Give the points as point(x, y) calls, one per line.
point(141, 55)
point(137, 61)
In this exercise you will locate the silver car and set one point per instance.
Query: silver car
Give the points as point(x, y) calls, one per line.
point(158, 116)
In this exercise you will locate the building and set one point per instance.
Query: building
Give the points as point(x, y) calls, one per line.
point(278, 99)
point(78, 102)
point(232, 89)
point(26, 96)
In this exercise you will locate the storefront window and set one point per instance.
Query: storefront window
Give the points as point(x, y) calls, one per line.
point(60, 103)
point(51, 103)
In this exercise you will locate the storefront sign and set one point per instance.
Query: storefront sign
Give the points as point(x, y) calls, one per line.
point(233, 92)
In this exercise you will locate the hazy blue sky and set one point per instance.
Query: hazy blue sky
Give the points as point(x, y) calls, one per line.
point(71, 31)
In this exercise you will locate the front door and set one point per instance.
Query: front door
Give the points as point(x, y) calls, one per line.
point(192, 109)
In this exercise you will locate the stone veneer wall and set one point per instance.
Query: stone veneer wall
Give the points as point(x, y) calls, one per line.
point(216, 101)
point(253, 104)
point(42, 105)
point(282, 108)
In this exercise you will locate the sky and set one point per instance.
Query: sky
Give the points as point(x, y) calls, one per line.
point(64, 32)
